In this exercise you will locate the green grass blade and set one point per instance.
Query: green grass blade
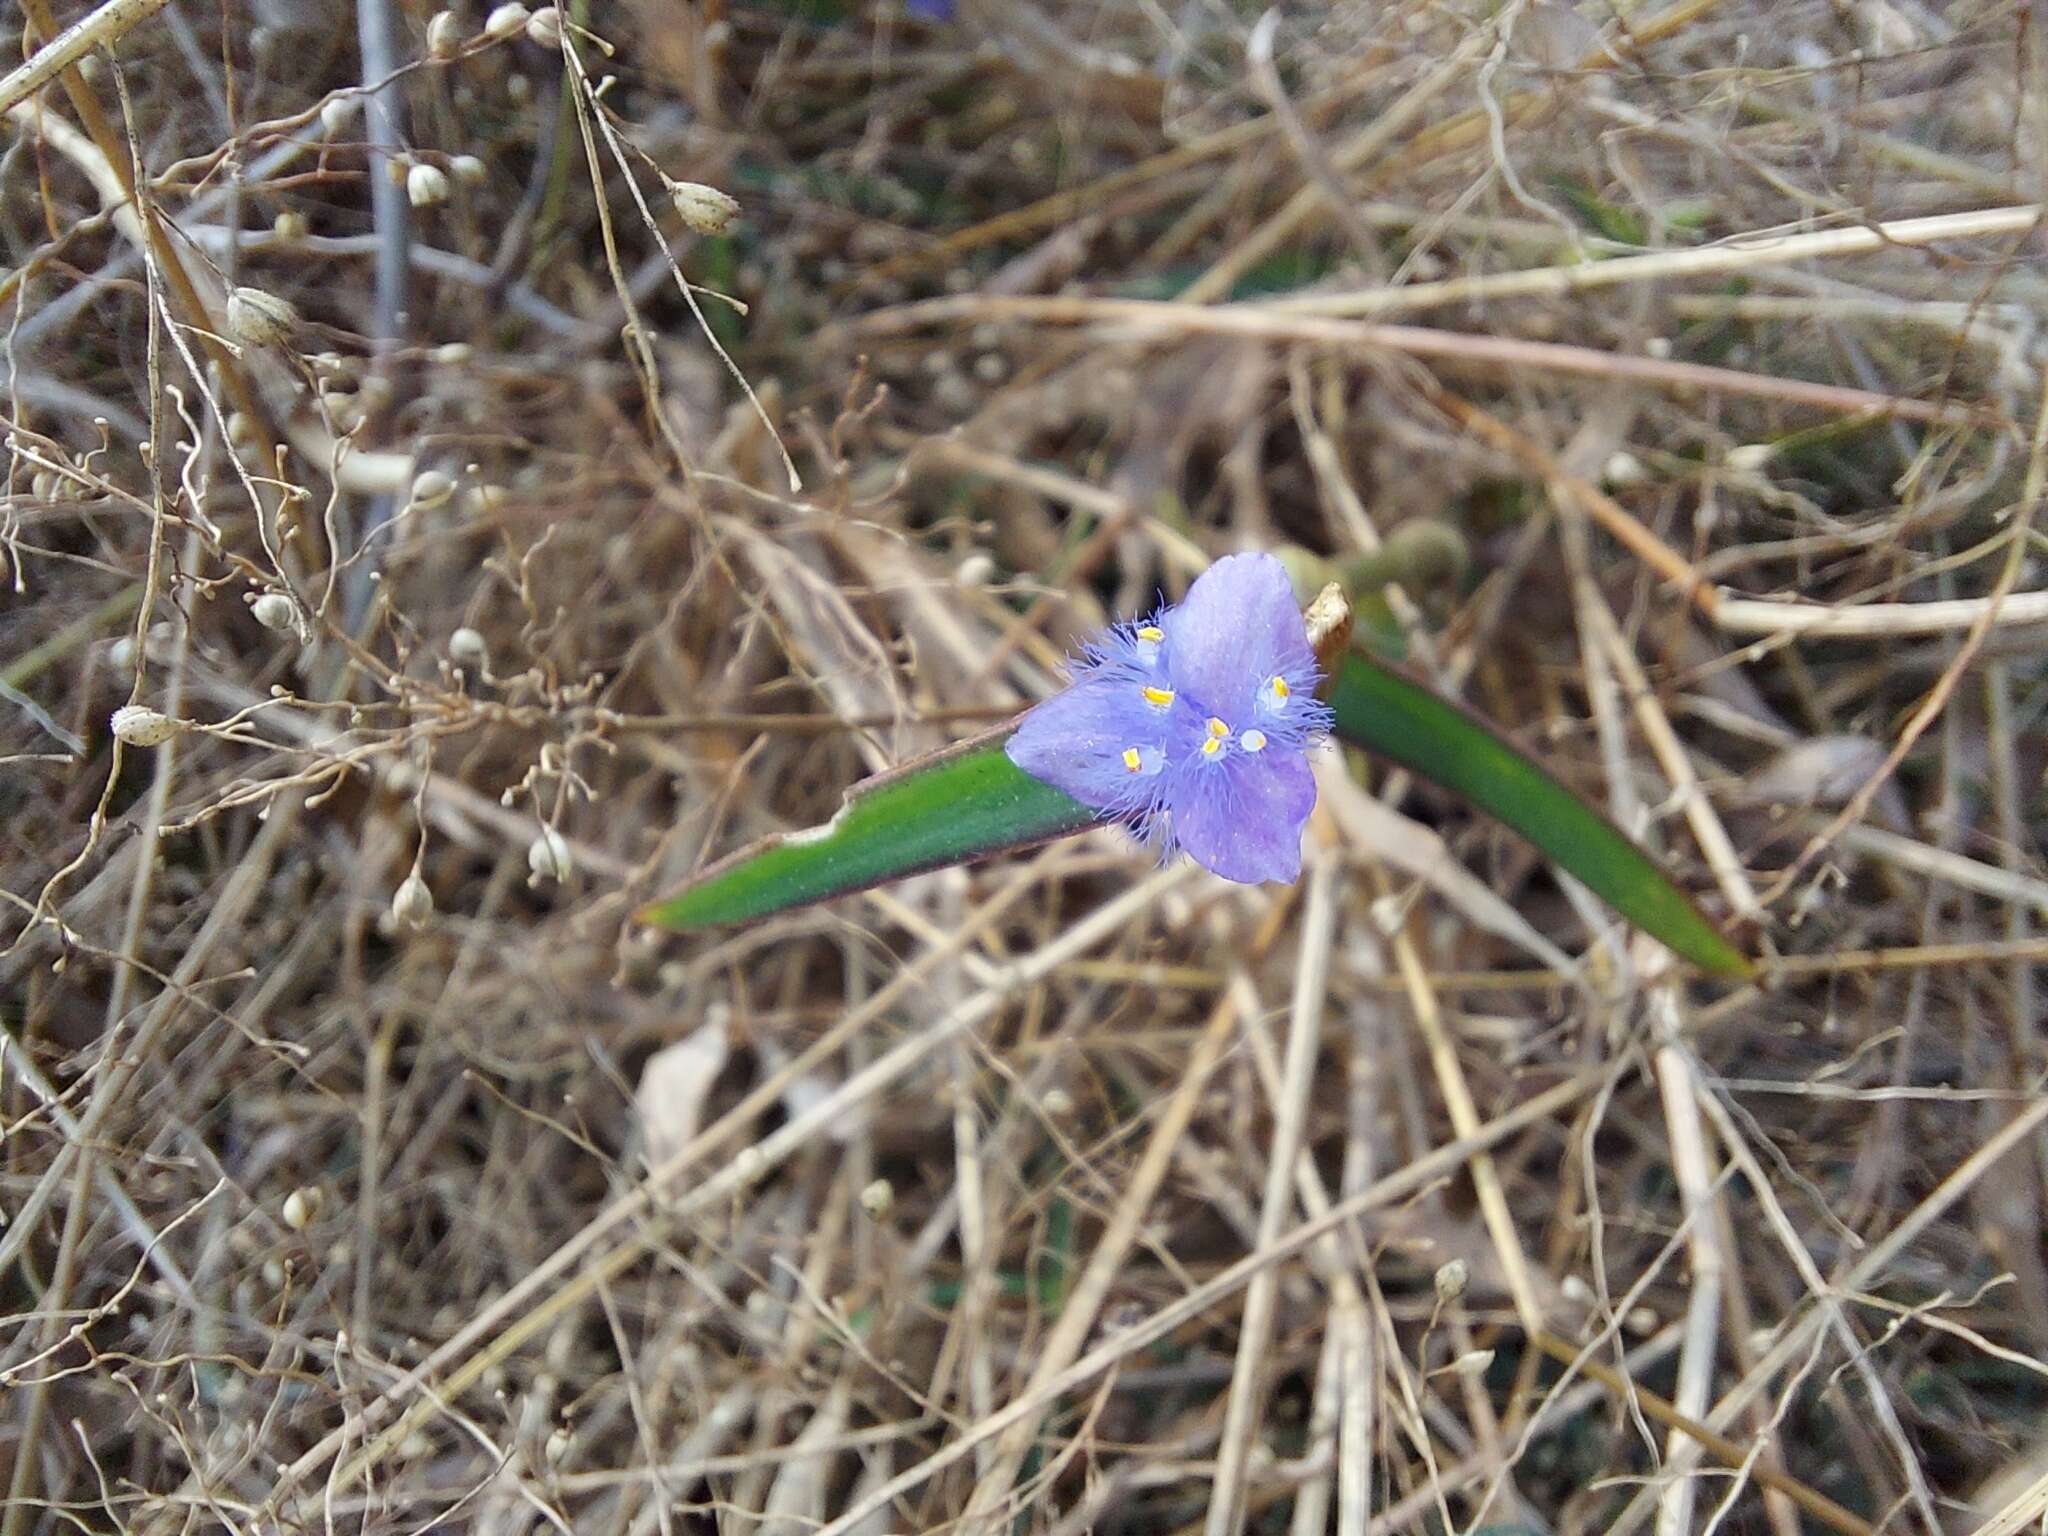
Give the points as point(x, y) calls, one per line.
point(1389, 715)
point(964, 803)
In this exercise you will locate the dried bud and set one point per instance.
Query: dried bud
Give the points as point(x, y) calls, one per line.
point(466, 169)
point(444, 36)
point(878, 1198)
point(1748, 458)
point(466, 648)
point(260, 319)
point(289, 226)
point(412, 903)
point(548, 857)
point(430, 488)
point(704, 209)
point(141, 726)
point(544, 28)
point(507, 21)
point(1451, 1281)
point(273, 610)
point(426, 185)
point(302, 1205)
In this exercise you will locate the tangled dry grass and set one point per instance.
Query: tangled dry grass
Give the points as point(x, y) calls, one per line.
point(366, 1169)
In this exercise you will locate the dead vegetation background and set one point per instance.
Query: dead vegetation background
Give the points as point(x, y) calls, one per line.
point(1061, 1193)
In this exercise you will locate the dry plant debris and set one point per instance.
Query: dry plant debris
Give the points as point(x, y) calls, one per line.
point(451, 496)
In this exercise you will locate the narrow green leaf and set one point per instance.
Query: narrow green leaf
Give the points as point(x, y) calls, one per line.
point(1389, 715)
point(963, 803)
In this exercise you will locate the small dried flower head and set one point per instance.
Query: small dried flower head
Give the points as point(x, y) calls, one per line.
point(507, 21)
point(548, 856)
point(426, 185)
point(466, 648)
point(704, 209)
point(260, 319)
point(466, 169)
point(544, 28)
point(430, 488)
point(444, 35)
point(302, 1205)
point(140, 726)
point(1194, 727)
point(412, 903)
point(878, 1198)
point(273, 610)
point(1451, 1280)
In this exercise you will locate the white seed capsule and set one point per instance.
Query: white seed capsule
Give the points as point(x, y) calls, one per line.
point(273, 610)
point(878, 1198)
point(466, 169)
point(544, 28)
point(548, 857)
point(426, 185)
point(412, 903)
point(302, 1205)
point(507, 21)
point(430, 488)
point(1473, 1364)
point(260, 319)
point(336, 113)
point(704, 209)
point(466, 648)
point(140, 726)
point(444, 36)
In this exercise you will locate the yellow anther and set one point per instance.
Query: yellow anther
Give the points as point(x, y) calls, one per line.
point(1158, 698)
point(1217, 728)
point(1280, 689)
point(1253, 741)
point(1212, 746)
point(1153, 633)
point(1132, 760)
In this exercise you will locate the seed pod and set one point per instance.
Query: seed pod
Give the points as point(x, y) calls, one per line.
point(289, 226)
point(466, 169)
point(260, 319)
point(507, 21)
point(444, 36)
point(704, 209)
point(273, 610)
point(1473, 1364)
point(1451, 1281)
point(548, 856)
point(412, 903)
point(544, 28)
point(426, 185)
point(302, 1205)
point(336, 113)
point(430, 488)
point(466, 648)
point(878, 1198)
point(140, 726)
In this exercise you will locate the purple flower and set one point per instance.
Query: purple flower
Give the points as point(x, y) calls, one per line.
point(1194, 727)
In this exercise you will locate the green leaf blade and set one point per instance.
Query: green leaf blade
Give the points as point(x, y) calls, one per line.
point(1401, 720)
point(966, 802)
